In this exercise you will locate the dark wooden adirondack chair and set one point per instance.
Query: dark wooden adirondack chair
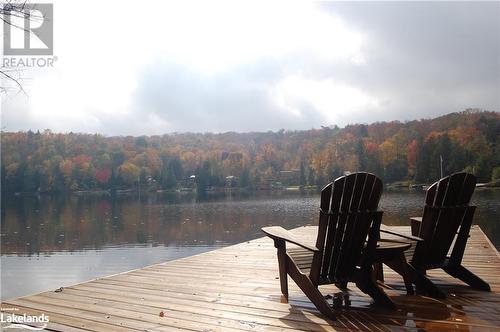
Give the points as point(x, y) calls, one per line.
point(349, 224)
point(446, 221)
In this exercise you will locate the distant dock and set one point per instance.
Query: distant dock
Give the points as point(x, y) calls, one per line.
point(237, 288)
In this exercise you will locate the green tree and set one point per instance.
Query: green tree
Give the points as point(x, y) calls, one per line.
point(495, 174)
point(360, 152)
point(117, 158)
point(422, 161)
point(203, 177)
point(129, 173)
point(169, 180)
point(245, 178)
point(302, 176)
point(175, 167)
point(310, 176)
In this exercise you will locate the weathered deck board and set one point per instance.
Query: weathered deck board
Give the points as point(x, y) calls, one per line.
point(237, 288)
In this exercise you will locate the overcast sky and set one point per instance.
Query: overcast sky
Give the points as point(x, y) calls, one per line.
point(144, 68)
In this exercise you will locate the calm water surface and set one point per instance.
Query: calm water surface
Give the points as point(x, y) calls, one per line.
point(53, 241)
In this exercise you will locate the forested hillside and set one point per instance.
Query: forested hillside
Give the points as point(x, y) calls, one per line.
point(393, 150)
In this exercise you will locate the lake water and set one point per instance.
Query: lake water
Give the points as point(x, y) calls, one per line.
point(53, 241)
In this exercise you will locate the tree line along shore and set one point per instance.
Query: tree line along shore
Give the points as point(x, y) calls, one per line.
point(410, 153)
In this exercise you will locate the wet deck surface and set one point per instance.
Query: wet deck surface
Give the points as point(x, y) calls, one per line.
point(237, 288)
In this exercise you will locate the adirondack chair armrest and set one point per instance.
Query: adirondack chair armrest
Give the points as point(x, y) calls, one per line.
point(384, 229)
point(279, 233)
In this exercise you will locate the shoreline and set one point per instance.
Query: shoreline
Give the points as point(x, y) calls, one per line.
point(110, 192)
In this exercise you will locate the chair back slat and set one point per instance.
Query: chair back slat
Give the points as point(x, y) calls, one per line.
point(375, 194)
point(336, 222)
point(345, 223)
point(442, 185)
point(366, 198)
point(359, 186)
point(336, 199)
point(442, 218)
point(326, 197)
point(356, 223)
point(325, 222)
point(444, 233)
point(454, 189)
point(467, 190)
point(341, 226)
point(431, 193)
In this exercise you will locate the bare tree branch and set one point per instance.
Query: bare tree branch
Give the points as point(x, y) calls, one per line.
point(21, 89)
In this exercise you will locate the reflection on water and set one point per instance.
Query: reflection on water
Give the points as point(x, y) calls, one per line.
point(53, 241)
point(52, 224)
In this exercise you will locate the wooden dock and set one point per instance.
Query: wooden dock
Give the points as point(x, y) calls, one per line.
point(237, 288)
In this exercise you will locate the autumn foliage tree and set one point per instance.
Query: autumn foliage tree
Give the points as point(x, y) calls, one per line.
point(47, 161)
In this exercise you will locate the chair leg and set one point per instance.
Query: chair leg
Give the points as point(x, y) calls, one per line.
point(424, 284)
point(311, 291)
point(367, 284)
point(378, 271)
point(379, 296)
point(282, 262)
point(467, 276)
point(400, 265)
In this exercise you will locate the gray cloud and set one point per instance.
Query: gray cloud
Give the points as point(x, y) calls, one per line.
point(239, 100)
point(427, 58)
point(423, 59)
